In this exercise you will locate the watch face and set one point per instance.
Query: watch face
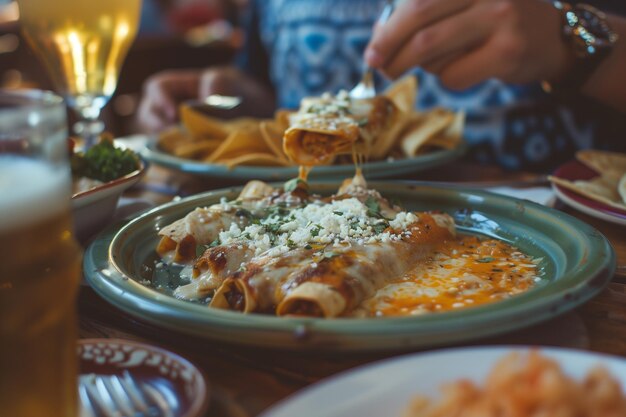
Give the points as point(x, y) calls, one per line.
point(593, 28)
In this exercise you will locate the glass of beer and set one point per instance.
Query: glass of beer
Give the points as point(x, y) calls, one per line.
point(83, 45)
point(39, 259)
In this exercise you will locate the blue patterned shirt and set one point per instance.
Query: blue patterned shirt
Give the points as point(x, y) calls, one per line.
point(307, 47)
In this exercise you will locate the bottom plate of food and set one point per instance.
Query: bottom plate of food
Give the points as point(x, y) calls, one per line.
point(342, 267)
point(483, 381)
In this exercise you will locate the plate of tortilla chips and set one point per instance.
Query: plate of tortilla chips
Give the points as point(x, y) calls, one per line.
point(594, 183)
point(406, 140)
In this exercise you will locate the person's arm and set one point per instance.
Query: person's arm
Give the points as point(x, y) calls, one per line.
point(467, 41)
point(164, 92)
point(608, 82)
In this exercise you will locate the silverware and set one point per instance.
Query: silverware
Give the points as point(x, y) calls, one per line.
point(222, 102)
point(365, 88)
point(215, 103)
point(115, 396)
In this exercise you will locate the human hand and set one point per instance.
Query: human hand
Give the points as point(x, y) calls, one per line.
point(162, 94)
point(165, 91)
point(468, 41)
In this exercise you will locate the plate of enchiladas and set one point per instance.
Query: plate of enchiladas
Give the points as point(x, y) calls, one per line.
point(348, 266)
point(395, 138)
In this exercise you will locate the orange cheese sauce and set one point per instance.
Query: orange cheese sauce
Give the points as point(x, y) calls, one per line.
point(469, 271)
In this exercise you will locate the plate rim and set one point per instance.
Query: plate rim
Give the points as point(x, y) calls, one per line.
point(582, 203)
point(285, 406)
point(112, 284)
point(403, 165)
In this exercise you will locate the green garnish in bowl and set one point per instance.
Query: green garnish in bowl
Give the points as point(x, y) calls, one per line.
point(104, 162)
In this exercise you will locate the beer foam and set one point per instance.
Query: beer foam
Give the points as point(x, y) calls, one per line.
point(31, 191)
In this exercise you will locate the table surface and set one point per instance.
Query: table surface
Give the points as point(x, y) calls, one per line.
point(246, 381)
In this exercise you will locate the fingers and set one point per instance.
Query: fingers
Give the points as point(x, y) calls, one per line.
point(225, 80)
point(405, 21)
point(464, 31)
point(470, 69)
point(163, 93)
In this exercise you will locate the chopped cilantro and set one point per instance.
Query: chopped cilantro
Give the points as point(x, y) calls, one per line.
point(373, 207)
point(242, 212)
point(104, 162)
point(485, 260)
point(380, 227)
point(293, 184)
point(200, 249)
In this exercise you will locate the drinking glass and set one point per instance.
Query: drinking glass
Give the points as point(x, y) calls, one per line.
point(39, 259)
point(83, 45)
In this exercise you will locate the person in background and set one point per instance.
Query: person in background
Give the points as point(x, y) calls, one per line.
point(488, 57)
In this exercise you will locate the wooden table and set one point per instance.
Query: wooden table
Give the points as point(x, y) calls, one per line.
point(245, 381)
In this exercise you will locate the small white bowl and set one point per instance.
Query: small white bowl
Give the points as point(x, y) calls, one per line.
point(94, 208)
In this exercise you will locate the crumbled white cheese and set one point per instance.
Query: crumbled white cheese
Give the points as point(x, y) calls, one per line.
point(339, 221)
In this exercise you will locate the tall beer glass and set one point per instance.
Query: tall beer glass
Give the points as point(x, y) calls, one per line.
point(39, 260)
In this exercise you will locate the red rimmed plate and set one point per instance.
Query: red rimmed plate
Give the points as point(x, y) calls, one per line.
point(177, 381)
point(575, 170)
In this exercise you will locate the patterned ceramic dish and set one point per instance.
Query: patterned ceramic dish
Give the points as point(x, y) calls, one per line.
point(577, 262)
point(173, 378)
point(378, 169)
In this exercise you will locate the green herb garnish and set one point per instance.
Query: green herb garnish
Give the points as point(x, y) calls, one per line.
point(104, 162)
point(485, 260)
point(293, 184)
point(373, 207)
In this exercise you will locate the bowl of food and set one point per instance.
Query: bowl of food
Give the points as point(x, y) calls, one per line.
point(99, 177)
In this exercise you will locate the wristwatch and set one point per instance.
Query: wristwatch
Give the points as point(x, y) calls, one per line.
point(590, 39)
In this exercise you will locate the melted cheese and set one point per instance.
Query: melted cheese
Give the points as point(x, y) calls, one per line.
point(463, 273)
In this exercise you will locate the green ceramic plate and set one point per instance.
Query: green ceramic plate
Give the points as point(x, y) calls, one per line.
point(379, 169)
point(578, 262)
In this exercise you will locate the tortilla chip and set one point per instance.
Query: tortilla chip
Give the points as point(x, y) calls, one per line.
point(597, 189)
point(254, 159)
point(272, 134)
point(240, 142)
point(423, 128)
point(388, 138)
point(621, 188)
point(199, 149)
point(282, 117)
point(452, 136)
point(403, 93)
point(611, 164)
point(200, 125)
point(240, 123)
point(170, 139)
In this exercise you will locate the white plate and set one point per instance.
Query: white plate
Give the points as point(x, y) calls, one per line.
point(385, 388)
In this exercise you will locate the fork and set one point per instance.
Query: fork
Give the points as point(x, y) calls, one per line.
point(365, 88)
point(115, 396)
